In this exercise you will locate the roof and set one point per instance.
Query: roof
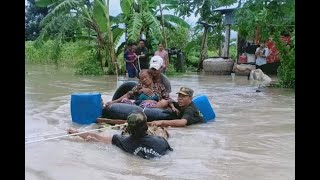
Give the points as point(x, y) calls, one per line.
point(228, 8)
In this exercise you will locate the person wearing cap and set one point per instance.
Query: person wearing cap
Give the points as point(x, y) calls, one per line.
point(138, 142)
point(189, 113)
point(155, 68)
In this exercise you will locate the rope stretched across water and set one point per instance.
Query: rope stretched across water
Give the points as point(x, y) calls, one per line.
point(66, 135)
point(37, 136)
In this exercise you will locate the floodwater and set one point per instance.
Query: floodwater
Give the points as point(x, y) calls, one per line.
point(252, 137)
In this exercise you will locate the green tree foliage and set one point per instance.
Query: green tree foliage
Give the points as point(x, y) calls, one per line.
point(33, 16)
point(71, 53)
point(178, 38)
point(267, 18)
point(89, 66)
point(204, 9)
point(85, 20)
point(142, 18)
point(60, 24)
point(64, 23)
point(286, 71)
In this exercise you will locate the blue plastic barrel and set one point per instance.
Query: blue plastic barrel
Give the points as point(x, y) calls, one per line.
point(85, 107)
point(204, 106)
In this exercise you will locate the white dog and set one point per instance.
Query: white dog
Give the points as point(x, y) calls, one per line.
point(257, 74)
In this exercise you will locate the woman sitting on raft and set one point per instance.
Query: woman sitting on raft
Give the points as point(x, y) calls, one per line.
point(158, 99)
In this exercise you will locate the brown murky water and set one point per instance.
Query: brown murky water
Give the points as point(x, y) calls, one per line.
point(252, 138)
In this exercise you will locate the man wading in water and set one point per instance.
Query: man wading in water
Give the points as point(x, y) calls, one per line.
point(138, 142)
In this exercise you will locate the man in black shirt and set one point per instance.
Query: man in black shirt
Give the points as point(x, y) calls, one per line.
point(142, 53)
point(137, 143)
point(189, 114)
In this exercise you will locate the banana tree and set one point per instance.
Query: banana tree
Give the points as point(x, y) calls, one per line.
point(204, 9)
point(141, 17)
point(106, 31)
point(57, 24)
point(100, 27)
point(168, 5)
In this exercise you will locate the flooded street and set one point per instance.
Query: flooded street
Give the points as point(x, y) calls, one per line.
point(252, 137)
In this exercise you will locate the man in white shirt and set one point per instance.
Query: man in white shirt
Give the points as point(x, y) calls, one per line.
point(262, 53)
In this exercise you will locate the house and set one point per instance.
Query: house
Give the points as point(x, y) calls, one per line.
point(246, 47)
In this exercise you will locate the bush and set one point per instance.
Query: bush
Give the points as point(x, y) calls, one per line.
point(233, 52)
point(286, 71)
point(89, 66)
point(36, 56)
point(68, 54)
point(213, 53)
point(192, 61)
point(170, 70)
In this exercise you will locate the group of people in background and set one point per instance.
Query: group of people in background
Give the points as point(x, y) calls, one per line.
point(136, 58)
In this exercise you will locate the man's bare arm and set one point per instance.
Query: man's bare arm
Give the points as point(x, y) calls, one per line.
point(172, 123)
